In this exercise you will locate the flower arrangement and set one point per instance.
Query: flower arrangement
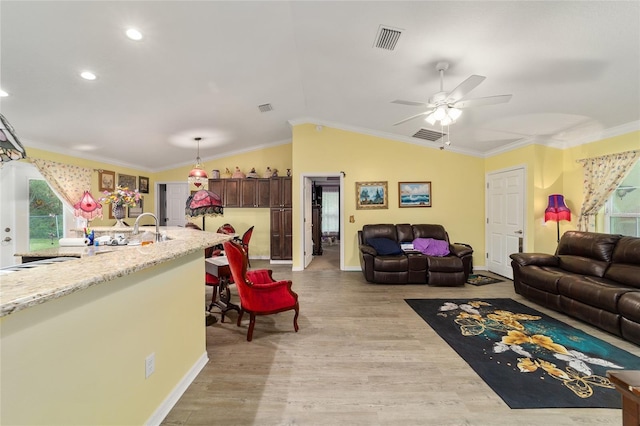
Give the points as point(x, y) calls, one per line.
point(121, 196)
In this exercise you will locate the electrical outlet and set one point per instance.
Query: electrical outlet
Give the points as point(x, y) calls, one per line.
point(149, 365)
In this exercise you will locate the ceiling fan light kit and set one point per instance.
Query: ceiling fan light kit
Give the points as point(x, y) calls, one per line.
point(444, 107)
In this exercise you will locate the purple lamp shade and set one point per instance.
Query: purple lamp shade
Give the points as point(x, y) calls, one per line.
point(87, 207)
point(557, 209)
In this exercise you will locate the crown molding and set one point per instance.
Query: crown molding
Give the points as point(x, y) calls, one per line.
point(384, 135)
point(84, 155)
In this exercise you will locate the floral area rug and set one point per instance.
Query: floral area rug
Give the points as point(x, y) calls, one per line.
point(528, 358)
point(479, 279)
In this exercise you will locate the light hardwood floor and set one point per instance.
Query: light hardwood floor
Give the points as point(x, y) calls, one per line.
point(361, 357)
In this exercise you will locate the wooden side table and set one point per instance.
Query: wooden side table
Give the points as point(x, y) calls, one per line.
point(627, 382)
point(218, 266)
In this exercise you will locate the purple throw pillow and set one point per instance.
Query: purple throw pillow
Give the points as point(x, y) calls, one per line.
point(431, 247)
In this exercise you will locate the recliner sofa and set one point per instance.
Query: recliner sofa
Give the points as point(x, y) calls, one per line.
point(593, 277)
point(413, 267)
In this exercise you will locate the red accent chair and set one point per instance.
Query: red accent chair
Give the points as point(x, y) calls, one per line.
point(244, 242)
point(259, 293)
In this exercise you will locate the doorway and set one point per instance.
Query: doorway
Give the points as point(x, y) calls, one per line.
point(322, 223)
point(505, 207)
point(171, 201)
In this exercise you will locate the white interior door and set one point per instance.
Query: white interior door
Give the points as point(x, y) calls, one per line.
point(308, 222)
point(505, 219)
point(176, 196)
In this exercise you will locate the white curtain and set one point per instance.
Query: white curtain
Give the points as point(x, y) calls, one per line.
point(330, 209)
point(602, 175)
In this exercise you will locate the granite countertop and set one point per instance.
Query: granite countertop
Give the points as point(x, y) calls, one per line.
point(96, 265)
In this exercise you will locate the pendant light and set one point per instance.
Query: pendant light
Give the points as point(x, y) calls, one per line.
point(87, 207)
point(197, 175)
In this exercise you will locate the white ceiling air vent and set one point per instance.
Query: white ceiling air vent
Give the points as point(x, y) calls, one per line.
point(265, 107)
point(387, 37)
point(428, 135)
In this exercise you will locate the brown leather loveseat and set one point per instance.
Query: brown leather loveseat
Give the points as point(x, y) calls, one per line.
point(594, 277)
point(412, 267)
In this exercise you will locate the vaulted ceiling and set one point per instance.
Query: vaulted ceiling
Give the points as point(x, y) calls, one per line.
point(203, 69)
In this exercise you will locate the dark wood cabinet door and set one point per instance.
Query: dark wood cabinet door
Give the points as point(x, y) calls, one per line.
point(263, 193)
point(286, 195)
point(217, 187)
point(280, 189)
point(248, 192)
point(281, 234)
point(232, 192)
point(287, 231)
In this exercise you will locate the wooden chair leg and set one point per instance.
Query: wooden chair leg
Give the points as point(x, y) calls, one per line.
point(240, 317)
point(295, 318)
point(252, 323)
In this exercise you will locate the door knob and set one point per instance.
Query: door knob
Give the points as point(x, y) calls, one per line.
point(7, 229)
point(7, 239)
point(518, 232)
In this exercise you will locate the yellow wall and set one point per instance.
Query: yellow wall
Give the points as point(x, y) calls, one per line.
point(457, 184)
point(555, 171)
point(80, 359)
point(278, 157)
point(457, 180)
point(148, 199)
point(573, 174)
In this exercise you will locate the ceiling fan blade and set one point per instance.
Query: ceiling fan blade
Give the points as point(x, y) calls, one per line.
point(489, 100)
point(412, 117)
point(465, 87)
point(410, 103)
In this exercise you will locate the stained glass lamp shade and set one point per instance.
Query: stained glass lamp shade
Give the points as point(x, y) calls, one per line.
point(203, 203)
point(87, 207)
point(10, 146)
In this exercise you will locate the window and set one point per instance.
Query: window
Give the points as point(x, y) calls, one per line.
point(622, 213)
point(330, 210)
point(46, 217)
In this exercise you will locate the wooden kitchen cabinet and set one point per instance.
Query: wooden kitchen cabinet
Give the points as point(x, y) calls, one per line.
point(255, 193)
point(281, 192)
point(247, 193)
point(281, 234)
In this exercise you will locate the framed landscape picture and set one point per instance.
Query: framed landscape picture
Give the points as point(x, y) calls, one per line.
point(371, 195)
point(106, 180)
point(127, 181)
point(414, 194)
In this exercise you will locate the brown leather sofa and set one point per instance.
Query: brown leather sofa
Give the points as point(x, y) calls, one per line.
point(594, 277)
point(413, 267)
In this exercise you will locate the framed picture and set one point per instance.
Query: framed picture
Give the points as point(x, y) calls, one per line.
point(143, 184)
point(106, 180)
point(137, 210)
point(371, 195)
point(127, 181)
point(414, 194)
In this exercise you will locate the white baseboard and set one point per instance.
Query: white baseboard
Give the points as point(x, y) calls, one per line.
point(180, 388)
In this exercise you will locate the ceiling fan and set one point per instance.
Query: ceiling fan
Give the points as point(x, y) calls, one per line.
point(446, 107)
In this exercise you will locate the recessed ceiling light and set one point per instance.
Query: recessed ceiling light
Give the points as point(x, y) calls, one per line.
point(134, 34)
point(3, 94)
point(88, 75)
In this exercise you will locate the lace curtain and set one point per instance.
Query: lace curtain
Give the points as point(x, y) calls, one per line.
point(330, 209)
point(68, 181)
point(602, 175)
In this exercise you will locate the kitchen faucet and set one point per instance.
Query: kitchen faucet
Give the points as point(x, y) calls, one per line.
point(135, 226)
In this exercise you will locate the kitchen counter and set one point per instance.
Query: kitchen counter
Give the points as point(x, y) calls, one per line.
point(96, 265)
